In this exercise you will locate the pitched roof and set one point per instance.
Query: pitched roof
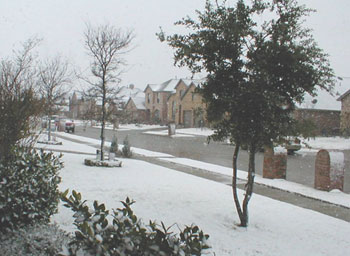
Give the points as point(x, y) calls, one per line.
point(139, 102)
point(171, 84)
point(344, 95)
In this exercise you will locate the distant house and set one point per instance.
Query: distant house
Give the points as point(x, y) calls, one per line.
point(345, 113)
point(185, 105)
point(174, 101)
point(326, 121)
point(156, 97)
point(136, 110)
point(81, 108)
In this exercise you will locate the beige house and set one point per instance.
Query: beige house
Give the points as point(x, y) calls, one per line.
point(345, 113)
point(156, 97)
point(136, 110)
point(185, 106)
point(175, 101)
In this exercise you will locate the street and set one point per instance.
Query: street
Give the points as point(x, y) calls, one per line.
point(300, 168)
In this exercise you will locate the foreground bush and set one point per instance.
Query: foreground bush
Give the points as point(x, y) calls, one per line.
point(39, 239)
point(28, 188)
point(127, 235)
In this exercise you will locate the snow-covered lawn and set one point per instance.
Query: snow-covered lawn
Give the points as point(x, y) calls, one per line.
point(330, 143)
point(162, 194)
point(337, 197)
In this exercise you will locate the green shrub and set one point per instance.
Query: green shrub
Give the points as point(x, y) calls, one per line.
point(126, 151)
point(127, 235)
point(114, 145)
point(28, 188)
point(40, 240)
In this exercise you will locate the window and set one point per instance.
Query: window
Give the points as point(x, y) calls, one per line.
point(149, 98)
point(173, 110)
point(158, 97)
point(182, 92)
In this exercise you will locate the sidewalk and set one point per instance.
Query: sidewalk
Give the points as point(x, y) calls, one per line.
point(333, 204)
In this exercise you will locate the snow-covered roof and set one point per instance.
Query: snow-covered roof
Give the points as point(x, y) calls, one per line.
point(167, 86)
point(170, 85)
point(139, 102)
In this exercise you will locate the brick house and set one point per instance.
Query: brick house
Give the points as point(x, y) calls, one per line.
point(136, 110)
point(156, 97)
point(185, 105)
point(345, 113)
point(174, 101)
point(326, 122)
point(80, 108)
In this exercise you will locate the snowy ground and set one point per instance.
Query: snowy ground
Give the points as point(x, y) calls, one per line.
point(124, 127)
point(162, 194)
point(335, 197)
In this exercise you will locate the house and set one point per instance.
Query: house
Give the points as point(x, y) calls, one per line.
point(136, 109)
point(345, 108)
point(326, 122)
point(185, 105)
point(81, 108)
point(174, 101)
point(156, 97)
point(89, 108)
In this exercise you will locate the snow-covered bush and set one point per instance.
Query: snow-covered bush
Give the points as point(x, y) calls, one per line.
point(114, 145)
point(105, 163)
point(127, 235)
point(39, 239)
point(28, 188)
point(126, 150)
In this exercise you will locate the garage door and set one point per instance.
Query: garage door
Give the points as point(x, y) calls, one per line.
point(188, 118)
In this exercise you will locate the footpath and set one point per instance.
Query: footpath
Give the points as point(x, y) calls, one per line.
point(336, 205)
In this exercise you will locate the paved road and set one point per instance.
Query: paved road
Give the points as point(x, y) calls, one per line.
point(300, 168)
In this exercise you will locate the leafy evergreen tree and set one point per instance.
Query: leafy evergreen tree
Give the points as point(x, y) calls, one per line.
point(256, 72)
point(114, 145)
point(126, 150)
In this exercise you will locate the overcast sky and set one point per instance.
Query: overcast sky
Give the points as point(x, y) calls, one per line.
point(60, 23)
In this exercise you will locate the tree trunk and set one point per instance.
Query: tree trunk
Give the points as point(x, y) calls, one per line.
point(49, 126)
point(234, 182)
point(103, 130)
point(103, 115)
point(249, 186)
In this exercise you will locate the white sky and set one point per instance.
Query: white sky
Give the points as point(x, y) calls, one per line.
point(61, 25)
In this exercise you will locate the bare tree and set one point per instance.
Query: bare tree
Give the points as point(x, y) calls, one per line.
point(54, 75)
point(18, 102)
point(106, 44)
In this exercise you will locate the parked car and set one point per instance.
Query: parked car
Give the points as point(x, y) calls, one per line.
point(292, 145)
point(69, 126)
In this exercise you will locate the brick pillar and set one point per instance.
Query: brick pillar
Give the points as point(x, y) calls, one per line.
point(268, 163)
point(280, 166)
point(329, 170)
point(275, 166)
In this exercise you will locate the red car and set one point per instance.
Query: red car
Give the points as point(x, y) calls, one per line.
point(69, 126)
